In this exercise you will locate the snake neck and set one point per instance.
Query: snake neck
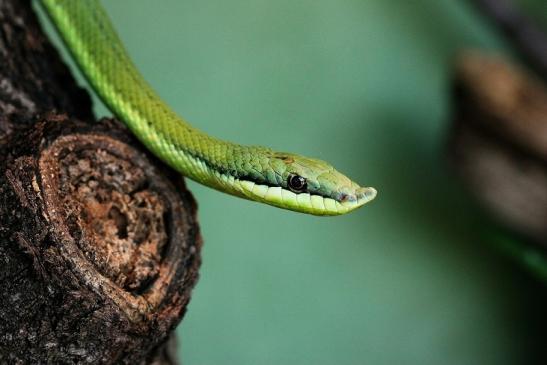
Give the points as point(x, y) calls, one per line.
point(108, 68)
point(210, 161)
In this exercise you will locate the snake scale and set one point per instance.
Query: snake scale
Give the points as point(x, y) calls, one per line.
point(285, 180)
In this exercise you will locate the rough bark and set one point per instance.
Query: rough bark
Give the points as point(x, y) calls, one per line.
point(33, 79)
point(99, 242)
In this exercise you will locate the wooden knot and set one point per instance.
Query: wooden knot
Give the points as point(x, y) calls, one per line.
point(114, 244)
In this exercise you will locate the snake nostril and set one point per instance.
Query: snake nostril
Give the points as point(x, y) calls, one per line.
point(347, 197)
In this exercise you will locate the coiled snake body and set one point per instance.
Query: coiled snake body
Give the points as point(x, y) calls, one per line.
point(285, 180)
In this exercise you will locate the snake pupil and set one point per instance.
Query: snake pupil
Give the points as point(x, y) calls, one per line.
point(297, 183)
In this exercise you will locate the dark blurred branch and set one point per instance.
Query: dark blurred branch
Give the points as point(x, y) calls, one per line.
point(527, 37)
point(498, 142)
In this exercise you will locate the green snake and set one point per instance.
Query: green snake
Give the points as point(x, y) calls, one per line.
point(284, 180)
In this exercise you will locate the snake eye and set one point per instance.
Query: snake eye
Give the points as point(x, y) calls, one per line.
point(297, 183)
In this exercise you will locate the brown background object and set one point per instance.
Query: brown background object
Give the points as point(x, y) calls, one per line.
point(499, 140)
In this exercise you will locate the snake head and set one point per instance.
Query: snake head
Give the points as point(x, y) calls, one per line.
point(304, 185)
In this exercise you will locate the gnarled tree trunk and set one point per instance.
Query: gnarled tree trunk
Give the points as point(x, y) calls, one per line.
point(99, 242)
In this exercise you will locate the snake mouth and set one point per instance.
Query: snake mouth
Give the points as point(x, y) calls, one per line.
point(302, 202)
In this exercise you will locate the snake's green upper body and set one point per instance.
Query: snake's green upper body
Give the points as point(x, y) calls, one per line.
point(284, 180)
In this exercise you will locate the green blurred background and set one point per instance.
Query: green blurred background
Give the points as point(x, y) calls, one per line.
point(365, 85)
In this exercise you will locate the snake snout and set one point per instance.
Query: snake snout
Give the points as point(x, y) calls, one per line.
point(366, 193)
point(360, 194)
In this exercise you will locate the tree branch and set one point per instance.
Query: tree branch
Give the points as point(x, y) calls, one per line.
point(99, 241)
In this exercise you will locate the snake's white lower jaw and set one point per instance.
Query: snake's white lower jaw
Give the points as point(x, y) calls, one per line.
point(303, 202)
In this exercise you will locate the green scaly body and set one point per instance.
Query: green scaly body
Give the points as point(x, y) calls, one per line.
point(251, 172)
